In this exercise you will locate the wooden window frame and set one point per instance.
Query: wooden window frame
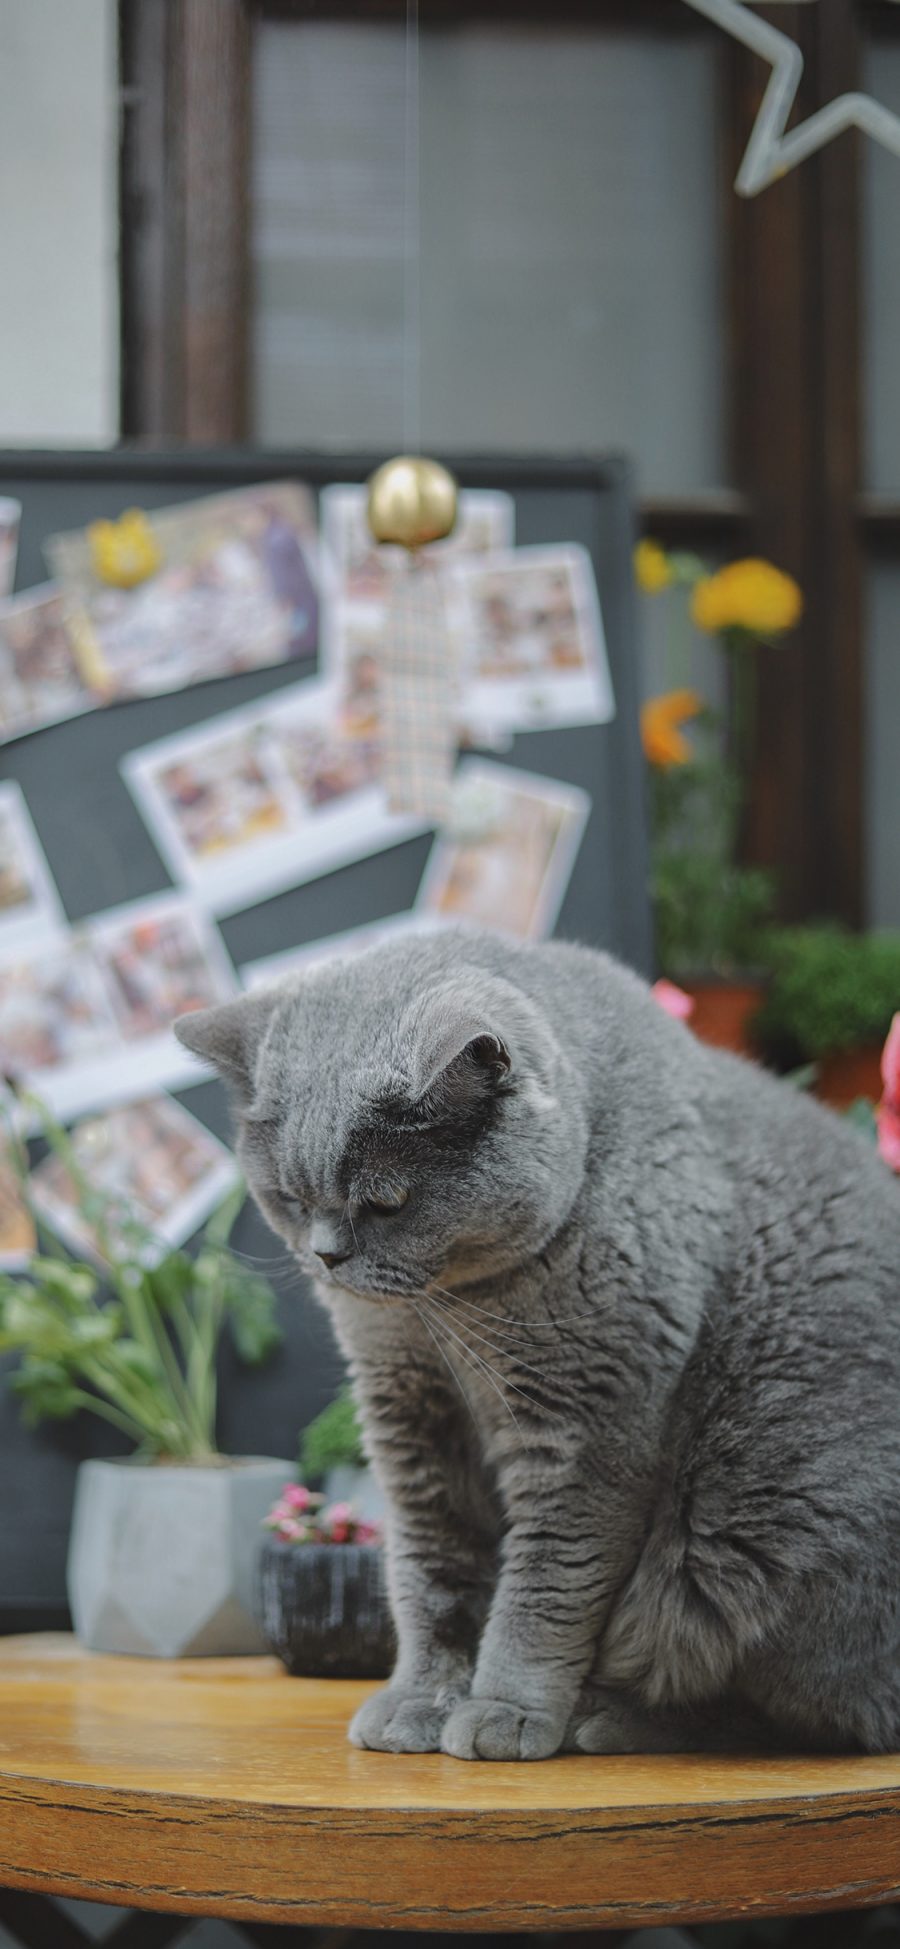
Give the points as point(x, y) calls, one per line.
point(793, 385)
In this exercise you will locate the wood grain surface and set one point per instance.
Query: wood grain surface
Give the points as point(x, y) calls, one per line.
point(221, 1786)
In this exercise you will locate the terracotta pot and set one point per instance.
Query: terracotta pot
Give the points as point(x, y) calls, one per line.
point(849, 1074)
point(723, 1011)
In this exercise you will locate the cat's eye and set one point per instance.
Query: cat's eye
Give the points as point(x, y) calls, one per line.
point(386, 1205)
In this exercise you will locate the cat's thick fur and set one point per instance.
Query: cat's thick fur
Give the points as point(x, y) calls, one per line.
point(623, 1318)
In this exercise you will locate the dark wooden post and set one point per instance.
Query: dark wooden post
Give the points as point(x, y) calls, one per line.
point(794, 274)
point(186, 86)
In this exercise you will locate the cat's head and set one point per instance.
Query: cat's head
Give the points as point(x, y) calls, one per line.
point(400, 1124)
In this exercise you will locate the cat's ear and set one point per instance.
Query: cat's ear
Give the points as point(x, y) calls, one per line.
point(229, 1037)
point(460, 1058)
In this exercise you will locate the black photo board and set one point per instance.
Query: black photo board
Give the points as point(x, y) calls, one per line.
point(102, 855)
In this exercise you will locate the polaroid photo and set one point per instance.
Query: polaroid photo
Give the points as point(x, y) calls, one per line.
point(10, 522)
point(510, 871)
point(17, 1233)
point(358, 567)
point(264, 798)
point(30, 907)
point(336, 947)
point(158, 1170)
point(237, 589)
point(40, 682)
point(531, 641)
point(85, 1021)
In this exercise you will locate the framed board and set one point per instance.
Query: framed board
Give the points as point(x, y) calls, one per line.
point(101, 855)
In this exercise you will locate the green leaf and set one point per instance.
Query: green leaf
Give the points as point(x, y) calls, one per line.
point(251, 1307)
point(333, 1439)
point(47, 1390)
point(862, 1115)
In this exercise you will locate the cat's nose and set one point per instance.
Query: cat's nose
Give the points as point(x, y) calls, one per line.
point(330, 1259)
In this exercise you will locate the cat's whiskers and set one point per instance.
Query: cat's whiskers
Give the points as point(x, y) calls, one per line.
point(549, 1326)
point(482, 1371)
point(504, 1351)
point(431, 1331)
point(491, 1373)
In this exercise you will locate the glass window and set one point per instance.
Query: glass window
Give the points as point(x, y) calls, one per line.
point(570, 259)
point(882, 777)
point(881, 289)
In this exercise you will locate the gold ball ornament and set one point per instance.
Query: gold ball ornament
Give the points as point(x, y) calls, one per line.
point(412, 501)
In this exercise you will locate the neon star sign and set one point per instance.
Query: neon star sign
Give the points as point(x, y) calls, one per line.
point(771, 152)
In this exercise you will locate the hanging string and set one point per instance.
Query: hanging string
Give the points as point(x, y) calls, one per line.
point(412, 338)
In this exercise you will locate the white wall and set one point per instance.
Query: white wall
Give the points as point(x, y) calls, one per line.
point(58, 223)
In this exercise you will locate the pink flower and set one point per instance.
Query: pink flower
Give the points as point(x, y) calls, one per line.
point(368, 1532)
point(673, 1000)
point(890, 1065)
point(298, 1497)
point(340, 1512)
point(888, 1121)
point(291, 1531)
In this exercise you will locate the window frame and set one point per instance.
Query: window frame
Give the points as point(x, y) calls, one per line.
point(792, 335)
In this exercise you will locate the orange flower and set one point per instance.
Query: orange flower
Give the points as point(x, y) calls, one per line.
point(652, 568)
point(751, 595)
point(663, 742)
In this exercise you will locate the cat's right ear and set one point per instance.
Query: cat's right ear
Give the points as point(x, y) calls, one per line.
point(229, 1037)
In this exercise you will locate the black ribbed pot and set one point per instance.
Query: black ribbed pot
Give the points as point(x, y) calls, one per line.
point(323, 1608)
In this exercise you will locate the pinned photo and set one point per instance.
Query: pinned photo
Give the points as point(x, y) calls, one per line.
point(30, 907)
point(10, 522)
point(236, 588)
point(157, 1172)
point(263, 798)
point(533, 652)
point(510, 864)
point(40, 682)
point(85, 1021)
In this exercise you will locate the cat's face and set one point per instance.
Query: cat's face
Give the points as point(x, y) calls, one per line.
point(398, 1144)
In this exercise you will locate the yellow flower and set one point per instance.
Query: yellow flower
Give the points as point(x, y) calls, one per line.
point(664, 744)
point(652, 568)
point(751, 595)
point(124, 552)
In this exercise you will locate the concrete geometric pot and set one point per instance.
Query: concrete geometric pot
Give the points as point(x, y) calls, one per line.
point(163, 1556)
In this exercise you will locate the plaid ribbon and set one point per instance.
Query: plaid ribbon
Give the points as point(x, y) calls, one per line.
point(419, 714)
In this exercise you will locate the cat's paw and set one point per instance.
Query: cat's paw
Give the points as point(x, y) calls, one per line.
point(602, 1732)
point(492, 1729)
point(398, 1722)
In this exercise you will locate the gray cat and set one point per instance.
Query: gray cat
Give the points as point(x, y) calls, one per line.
point(623, 1319)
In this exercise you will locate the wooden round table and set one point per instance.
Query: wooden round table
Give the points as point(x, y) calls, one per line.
point(223, 1787)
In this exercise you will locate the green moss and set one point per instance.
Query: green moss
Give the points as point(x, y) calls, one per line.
point(332, 1440)
point(829, 990)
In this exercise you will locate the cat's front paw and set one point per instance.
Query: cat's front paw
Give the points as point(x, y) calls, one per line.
point(398, 1722)
point(493, 1729)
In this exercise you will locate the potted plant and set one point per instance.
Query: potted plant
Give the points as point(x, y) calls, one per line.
point(711, 909)
point(322, 1594)
point(164, 1542)
point(830, 1000)
point(332, 1452)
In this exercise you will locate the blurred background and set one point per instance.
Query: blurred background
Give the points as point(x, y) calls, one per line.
point(202, 236)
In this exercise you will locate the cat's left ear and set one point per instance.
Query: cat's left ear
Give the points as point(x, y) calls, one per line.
point(459, 1056)
point(229, 1037)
